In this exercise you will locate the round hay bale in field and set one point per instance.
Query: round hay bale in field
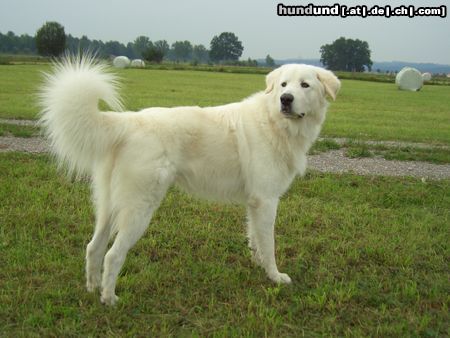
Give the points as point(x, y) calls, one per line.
point(426, 76)
point(409, 79)
point(121, 62)
point(138, 63)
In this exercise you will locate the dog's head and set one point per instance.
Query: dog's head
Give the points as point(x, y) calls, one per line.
point(298, 90)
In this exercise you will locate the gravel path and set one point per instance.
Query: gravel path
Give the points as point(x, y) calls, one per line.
point(18, 122)
point(332, 161)
point(343, 141)
point(29, 144)
point(335, 161)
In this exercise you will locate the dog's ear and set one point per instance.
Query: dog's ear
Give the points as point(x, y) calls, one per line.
point(271, 78)
point(330, 82)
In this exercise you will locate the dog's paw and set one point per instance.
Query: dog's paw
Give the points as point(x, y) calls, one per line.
point(92, 283)
point(256, 258)
point(280, 278)
point(109, 300)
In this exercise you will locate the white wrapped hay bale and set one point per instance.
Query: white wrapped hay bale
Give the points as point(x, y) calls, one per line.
point(121, 62)
point(138, 63)
point(409, 79)
point(426, 76)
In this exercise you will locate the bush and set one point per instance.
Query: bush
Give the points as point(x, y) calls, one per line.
point(153, 54)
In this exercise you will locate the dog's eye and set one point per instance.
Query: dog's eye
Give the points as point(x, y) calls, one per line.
point(283, 84)
point(304, 85)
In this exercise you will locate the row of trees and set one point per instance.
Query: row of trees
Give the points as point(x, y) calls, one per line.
point(14, 44)
point(51, 40)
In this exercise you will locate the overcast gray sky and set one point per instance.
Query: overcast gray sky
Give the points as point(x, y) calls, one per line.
point(255, 22)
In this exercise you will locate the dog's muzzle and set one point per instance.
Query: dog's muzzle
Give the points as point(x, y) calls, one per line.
point(286, 106)
point(286, 102)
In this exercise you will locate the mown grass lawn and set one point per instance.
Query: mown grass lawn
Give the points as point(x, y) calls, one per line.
point(379, 111)
point(363, 110)
point(368, 257)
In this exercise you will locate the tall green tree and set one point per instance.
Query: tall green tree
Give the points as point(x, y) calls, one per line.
point(9, 43)
point(346, 55)
point(225, 47)
point(270, 62)
point(114, 48)
point(50, 39)
point(140, 45)
point(153, 54)
point(182, 50)
point(162, 46)
point(200, 54)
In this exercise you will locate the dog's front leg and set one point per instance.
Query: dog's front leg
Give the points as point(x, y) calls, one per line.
point(261, 214)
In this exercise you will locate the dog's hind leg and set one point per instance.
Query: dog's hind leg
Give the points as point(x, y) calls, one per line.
point(261, 216)
point(132, 223)
point(96, 248)
point(137, 202)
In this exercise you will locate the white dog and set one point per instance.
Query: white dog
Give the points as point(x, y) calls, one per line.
point(247, 152)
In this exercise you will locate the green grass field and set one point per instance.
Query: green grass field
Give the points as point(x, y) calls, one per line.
point(379, 111)
point(358, 149)
point(363, 110)
point(17, 130)
point(368, 256)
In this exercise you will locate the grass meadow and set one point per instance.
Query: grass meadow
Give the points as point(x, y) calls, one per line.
point(363, 110)
point(368, 256)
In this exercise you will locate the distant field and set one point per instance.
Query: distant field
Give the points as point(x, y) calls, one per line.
point(379, 111)
point(364, 110)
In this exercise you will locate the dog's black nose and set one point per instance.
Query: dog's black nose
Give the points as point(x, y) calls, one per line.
point(286, 99)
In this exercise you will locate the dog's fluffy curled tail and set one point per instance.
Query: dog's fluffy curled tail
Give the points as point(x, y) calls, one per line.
point(79, 133)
